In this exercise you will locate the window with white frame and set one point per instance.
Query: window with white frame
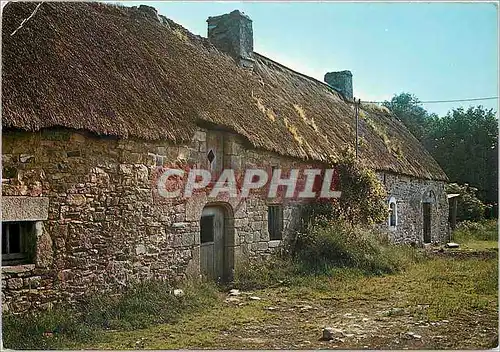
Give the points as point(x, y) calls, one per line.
point(393, 212)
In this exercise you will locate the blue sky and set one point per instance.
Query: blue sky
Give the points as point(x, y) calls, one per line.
point(437, 51)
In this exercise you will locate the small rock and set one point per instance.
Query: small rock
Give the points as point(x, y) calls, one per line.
point(255, 298)
point(232, 299)
point(234, 292)
point(331, 333)
point(412, 334)
point(178, 293)
point(271, 308)
point(24, 158)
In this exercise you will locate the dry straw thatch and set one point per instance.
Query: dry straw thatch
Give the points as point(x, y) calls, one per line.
point(112, 70)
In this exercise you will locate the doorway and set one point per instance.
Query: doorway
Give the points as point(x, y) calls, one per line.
point(426, 207)
point(216, 248)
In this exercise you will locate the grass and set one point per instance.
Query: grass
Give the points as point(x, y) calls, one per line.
point(339, 273)
point(140, 306)
point(468, 231)
point(461, 291)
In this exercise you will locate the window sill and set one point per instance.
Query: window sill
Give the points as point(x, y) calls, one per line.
point(274, 243)
point(17, 269)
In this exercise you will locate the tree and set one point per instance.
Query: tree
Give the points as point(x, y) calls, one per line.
point(469, 206)
point(465, 144)
point(407, 108)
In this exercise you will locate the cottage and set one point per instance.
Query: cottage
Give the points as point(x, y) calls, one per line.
point(97, 98)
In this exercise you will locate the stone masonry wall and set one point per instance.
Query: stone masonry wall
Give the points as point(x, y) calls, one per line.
point(410, 193)
point(104, 229)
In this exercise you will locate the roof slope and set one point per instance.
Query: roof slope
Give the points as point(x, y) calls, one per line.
point(113, 71)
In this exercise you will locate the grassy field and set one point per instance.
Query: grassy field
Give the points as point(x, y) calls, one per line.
point(374, 296)
point(445, 302)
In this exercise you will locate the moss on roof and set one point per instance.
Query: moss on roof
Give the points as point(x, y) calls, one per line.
point(113, 71)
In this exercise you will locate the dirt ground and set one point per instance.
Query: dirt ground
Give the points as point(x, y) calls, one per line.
point(448, 302)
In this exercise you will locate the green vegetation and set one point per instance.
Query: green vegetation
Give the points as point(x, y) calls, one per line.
point(139, 306)
point(469, 206)
point(468, 231)
point(464, 142)
point(462, 291)
point(360, 186)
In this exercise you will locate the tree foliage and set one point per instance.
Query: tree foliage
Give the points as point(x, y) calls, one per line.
point(469, 207)
point(407, 108)
point(464, 142)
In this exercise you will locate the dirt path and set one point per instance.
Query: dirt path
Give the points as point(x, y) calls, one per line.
point(441, 304)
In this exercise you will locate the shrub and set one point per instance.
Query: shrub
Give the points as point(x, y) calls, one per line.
point(340, 245)
point(486, 230)
point(363, 196)
point(469, 206)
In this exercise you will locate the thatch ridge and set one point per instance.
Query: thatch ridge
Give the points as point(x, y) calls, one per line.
point(112, 71)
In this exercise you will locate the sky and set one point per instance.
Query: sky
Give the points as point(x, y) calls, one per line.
point(436, 51)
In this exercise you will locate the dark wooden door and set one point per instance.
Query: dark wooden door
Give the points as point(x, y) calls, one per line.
point(427, 222)
point(212, 243)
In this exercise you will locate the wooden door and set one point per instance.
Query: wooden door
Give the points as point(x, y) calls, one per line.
point(212, 243)
point(427, 222)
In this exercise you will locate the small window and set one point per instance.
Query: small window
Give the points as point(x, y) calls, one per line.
point(393, 212)
point(207, 229)
point(275, 222)
point(18, 240)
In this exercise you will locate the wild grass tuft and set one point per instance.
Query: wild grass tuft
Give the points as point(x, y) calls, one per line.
point(486, 230)
point(140, 306)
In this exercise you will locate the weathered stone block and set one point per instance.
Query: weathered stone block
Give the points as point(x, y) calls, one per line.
point(15, 283)
point(187, 239)
point(262, 246)
point(24, 208)
point(200, 136)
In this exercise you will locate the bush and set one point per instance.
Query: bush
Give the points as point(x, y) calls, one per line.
point(469, 206)
point(363, 197)
point(260, 273)
point(337, 244)
point(328, 248)
point(139, 306)
point(486, 230)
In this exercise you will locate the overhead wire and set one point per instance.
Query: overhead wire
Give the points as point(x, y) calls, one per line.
point(438, 101)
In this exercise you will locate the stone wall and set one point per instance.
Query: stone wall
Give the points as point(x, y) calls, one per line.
point(104, 228)
point(100, 225)
point(410, 193)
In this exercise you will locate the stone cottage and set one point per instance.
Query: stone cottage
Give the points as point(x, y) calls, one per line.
point(96, 98)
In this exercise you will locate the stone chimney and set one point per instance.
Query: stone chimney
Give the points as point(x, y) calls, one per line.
point(342, 81)
point(232, 34)
point(149, 12)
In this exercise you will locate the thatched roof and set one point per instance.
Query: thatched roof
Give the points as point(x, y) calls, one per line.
point(113, 71)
